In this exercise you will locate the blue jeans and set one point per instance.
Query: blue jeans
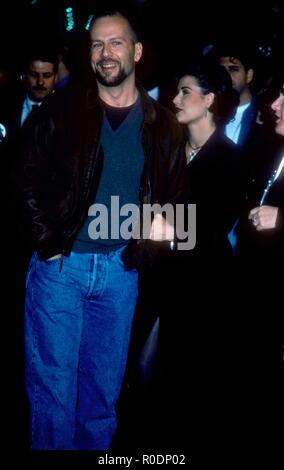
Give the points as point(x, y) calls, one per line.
point(77, 330)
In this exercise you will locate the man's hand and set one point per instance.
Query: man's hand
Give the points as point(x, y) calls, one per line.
point(264, 217)
point(161, 229)
point(55, 257)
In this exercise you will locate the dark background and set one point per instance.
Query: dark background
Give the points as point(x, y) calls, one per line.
point(171, 30)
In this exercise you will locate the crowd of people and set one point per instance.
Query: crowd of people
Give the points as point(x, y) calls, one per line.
point(93, 299)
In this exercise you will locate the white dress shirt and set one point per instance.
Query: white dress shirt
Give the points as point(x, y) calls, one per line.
point(232, 129)
point(27, 107)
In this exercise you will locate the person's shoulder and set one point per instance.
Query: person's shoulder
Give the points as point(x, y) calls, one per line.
point(167, 121)
point(223, 144)
point(70, 93)
point(156, 110)
point(69, 100)
point(224, 153)
point(163, 111)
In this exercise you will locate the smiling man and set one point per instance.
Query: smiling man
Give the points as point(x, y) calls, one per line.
point(114, 51)
point(101, 139)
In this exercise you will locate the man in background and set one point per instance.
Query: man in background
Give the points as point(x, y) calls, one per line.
point(240, 66)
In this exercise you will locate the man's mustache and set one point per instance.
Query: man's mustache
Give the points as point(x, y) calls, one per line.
point(39, 88)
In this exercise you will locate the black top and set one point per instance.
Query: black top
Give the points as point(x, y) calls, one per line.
point(214, 186)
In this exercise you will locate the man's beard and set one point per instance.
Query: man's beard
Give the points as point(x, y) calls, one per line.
point(111, 81)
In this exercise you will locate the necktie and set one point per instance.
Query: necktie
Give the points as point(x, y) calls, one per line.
point(32, 112)
point(30, 115)
point(34, 109)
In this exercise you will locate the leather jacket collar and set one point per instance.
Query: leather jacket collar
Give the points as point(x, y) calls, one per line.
point(93, 100)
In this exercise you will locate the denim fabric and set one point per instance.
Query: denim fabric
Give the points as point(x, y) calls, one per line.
point(77, 330)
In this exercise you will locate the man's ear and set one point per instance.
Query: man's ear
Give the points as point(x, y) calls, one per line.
point(250, 74)
point(138, 51)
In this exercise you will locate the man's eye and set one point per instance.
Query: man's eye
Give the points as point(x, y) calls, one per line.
point(116, 43)
point(96, 45)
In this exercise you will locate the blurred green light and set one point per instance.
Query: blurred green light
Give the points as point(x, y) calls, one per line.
point(87, 27)
point(70, 19)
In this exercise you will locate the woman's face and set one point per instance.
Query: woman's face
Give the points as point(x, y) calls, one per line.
point(190, 102)
point(278, 108)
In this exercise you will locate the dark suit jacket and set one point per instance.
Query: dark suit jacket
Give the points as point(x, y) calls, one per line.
point(12, 110)
point(266, 244)
point(248, 121)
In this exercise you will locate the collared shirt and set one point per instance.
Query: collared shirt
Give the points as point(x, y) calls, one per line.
point(232, 129)
point(27, 107)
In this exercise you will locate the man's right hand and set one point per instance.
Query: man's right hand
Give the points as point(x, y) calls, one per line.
point(55, 257)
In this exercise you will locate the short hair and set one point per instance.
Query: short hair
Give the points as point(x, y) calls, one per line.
point(42, 55)
point(214, 78)
point(245, 54)
point(126, 15)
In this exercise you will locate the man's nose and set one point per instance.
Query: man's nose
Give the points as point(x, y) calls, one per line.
point(40, 80)
point(106, 50)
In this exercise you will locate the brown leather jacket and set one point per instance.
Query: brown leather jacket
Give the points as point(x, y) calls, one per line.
point(63, 161)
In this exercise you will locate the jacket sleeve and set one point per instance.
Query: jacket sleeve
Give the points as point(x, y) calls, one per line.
point(175, 190)
point(35, 174)
point(176, 181)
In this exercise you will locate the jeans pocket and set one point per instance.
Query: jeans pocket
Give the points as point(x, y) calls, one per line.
point(117, 257)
